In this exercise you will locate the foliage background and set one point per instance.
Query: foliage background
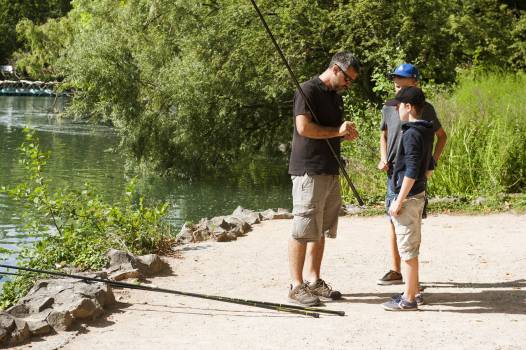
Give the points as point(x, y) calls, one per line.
point(194, 86)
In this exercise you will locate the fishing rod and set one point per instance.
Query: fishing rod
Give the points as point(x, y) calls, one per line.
point(298, 86)
point(295, 309)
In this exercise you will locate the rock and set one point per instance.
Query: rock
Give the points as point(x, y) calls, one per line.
point(20, 334)
point(351, 209)
point(153, 264)
point(223, 237)
point(283, 214)
point(185, 235)
point(101, 292)
point(19, 310)
point(219, 222)
point(270, 214)
point(60, 320)
point(83, 308)
point(247, 215)
point(123, 265)
point(121, 272)
point(7, 325)
point(241, 224)
point(118, 257)
point(3, 335)
point(201, 235)
point(38, 327)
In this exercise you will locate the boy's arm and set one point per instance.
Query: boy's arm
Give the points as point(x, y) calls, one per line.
point(383, 165)
point(396, 206)
point(441, 143)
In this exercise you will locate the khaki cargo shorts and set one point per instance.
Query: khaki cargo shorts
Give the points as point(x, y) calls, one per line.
point(316, 203)
point(408, 226)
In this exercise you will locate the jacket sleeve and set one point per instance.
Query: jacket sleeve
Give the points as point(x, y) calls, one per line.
point(414, 154)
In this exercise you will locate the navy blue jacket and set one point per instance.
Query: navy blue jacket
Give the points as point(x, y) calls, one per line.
point(414, 156)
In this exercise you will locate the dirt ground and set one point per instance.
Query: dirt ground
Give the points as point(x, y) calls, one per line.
point(473, 268)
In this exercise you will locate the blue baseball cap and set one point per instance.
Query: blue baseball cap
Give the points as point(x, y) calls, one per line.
point(406, 70)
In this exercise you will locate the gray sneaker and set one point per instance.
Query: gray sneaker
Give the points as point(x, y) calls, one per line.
point(324, 291)
point(400, 304)
point(302, 295)
point(419, 298)
point(390, 278)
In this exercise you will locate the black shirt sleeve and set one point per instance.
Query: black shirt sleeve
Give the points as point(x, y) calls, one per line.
point(300, 105)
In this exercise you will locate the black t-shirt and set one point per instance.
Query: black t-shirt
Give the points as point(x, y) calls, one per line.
point(313, 156)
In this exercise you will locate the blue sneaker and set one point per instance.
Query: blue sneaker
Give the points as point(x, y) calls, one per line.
point(419, 298)
point(400, 304)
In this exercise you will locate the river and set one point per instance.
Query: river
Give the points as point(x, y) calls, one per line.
point(87, 153)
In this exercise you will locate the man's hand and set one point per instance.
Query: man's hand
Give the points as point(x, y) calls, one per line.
point(383, 165)
point(348, 131)
point(394, 209)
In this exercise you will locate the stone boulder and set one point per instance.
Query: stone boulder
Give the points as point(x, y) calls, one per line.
point(271, 214)
point(53, 305)
point(250, 216)
point(124, 265)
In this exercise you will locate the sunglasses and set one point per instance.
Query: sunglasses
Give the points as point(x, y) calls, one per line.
point(346, 76)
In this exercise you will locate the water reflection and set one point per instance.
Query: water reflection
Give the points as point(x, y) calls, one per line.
point(86, 153)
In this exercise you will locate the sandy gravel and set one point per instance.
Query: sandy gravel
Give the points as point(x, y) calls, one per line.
point(473, 268)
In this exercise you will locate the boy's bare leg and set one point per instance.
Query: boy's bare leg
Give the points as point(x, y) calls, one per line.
point(314, 257)
point(411, 278)
point(395, 256)
point(297, 251)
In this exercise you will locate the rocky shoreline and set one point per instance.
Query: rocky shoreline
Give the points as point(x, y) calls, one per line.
point(55, 305)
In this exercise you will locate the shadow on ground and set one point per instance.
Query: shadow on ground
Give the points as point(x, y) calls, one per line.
point(501, 297)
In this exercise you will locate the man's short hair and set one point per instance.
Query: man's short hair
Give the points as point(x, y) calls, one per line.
point(345, 60)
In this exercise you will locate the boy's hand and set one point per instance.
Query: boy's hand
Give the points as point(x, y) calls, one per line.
point(395, 208)
point(429, 173)
point(383, 165)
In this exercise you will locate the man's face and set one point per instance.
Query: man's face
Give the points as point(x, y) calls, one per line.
point(402, 82)
point(342, 80)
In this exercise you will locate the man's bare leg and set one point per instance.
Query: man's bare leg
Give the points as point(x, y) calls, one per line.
point(297, 251)
point(314, 258)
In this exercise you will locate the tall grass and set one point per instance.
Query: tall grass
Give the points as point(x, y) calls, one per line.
point(485, 119)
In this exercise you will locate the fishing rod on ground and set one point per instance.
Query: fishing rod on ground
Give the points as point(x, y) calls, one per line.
point(295, 309)
point(342, 168)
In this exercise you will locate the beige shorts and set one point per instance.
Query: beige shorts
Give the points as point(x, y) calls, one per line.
point(408, 226)
point(316, 203)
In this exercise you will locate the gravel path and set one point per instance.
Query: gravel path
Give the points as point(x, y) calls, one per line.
point(473, 268)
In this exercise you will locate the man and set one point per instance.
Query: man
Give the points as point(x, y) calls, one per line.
point(314, 171)
point(405, 75)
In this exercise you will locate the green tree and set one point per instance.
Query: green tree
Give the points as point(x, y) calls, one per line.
point(12, 11)
point(192, 85)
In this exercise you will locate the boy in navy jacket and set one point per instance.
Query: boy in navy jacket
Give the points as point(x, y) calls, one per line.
point(414, 165)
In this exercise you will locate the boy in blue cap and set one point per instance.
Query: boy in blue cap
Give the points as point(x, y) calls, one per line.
point(408, 181)
point(405, 75)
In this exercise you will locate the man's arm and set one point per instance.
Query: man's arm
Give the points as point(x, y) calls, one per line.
point(307, 128)
point(441, 143)
point(383, 165)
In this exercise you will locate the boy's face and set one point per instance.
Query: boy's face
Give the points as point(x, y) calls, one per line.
point(404, 110)
point(401, 82)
